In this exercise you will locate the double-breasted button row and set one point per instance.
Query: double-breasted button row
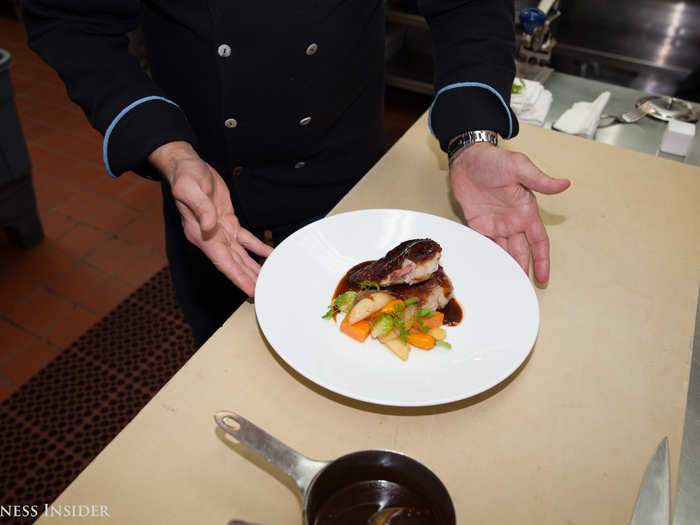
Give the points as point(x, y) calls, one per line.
point(224, 50)
point(232, 122)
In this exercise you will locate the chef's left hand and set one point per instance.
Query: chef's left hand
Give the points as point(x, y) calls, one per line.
point(494, 188)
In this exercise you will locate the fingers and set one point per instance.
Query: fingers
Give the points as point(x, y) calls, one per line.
point(533, 179)
point(235, 263)
point(520, 250)
point(539, 245)
point(252, 243)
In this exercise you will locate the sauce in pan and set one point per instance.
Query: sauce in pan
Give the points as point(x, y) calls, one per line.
point(357, 503)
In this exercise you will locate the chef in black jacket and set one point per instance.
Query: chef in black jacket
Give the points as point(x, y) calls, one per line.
point(262, 115)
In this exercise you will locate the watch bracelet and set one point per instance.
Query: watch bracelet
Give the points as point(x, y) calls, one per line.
point(467, 139)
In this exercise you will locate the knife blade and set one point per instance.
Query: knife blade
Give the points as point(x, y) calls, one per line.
point(654, 501)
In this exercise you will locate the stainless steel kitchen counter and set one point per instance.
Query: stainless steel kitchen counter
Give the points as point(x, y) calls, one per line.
point(644, 136)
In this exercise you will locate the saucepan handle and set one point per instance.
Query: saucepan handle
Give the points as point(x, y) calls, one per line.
point(298, 467)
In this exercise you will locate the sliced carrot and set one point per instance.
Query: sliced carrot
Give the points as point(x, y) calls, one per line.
point(421, 340)
point(358, 331)
point(388, 308)
point(433, 322)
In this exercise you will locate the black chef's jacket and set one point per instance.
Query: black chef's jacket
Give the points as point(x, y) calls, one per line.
point(284, 98)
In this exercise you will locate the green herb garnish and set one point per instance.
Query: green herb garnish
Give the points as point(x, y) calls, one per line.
point(517, 88)
point(426, 312)
point(444, 344)
point(368, 284)
point(411, 300)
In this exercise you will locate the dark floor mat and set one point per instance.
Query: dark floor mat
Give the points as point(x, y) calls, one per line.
point(56, 423)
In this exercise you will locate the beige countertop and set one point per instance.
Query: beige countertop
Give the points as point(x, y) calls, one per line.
point(566, 439)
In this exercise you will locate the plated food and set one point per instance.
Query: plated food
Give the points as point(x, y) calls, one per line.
point(297, 281)
point(402, 300)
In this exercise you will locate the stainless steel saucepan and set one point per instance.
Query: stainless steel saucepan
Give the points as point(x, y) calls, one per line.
point(345, 490)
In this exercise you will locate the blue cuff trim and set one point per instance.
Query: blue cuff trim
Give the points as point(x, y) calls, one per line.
point(470, 84)
point(116, 120)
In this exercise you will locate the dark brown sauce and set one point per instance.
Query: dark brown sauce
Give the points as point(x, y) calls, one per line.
point(356, 503)
point(344, 285)
point(452, 312)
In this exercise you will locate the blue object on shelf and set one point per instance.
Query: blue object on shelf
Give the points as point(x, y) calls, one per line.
point(531, 18)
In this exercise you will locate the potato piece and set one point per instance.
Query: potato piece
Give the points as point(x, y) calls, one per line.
point(438, 333)
point(368, 305)
point(410, 315)
point(393, 334)
point(400, 348)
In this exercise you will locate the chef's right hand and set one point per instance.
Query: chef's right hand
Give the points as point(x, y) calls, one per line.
point(208, 218)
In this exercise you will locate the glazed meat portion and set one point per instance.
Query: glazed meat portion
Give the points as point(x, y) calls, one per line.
point(410, 262)
point(434, 292)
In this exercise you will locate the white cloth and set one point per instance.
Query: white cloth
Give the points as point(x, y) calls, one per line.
point(538, 113)
point(526, 98)
point(532, 103)
point(583, 117)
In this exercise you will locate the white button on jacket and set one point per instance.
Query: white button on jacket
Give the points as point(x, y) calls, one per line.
point(224, 50)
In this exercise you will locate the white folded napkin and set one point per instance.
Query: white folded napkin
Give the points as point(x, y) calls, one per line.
point(582, 118)
point(531, 104)
point(527, 96)
point(537, 114)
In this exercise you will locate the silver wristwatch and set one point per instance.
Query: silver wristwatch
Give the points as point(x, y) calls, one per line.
point(469, 138)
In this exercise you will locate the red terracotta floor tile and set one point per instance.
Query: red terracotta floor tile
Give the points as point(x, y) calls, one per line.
point(107, 296)
point(145, 197)
point(81, 240)
point(113, 188)
point(142, 268)
point(14, 290)
point(33, 129)
point(79, 281)
point(40, 312)
point(12, 340)
point(83, 129)
point(80, 172)
point(71, 327)
point(28, 362)
point(145, 231)
point(55, 224)
point(52, 192)
point(114, 255)
point(43, 262)
point(47, 164)
point(71, 145)
point(97, 211)
point(6, 390)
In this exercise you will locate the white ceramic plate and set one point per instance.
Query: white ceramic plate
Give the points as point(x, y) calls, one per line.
point(296, 283)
